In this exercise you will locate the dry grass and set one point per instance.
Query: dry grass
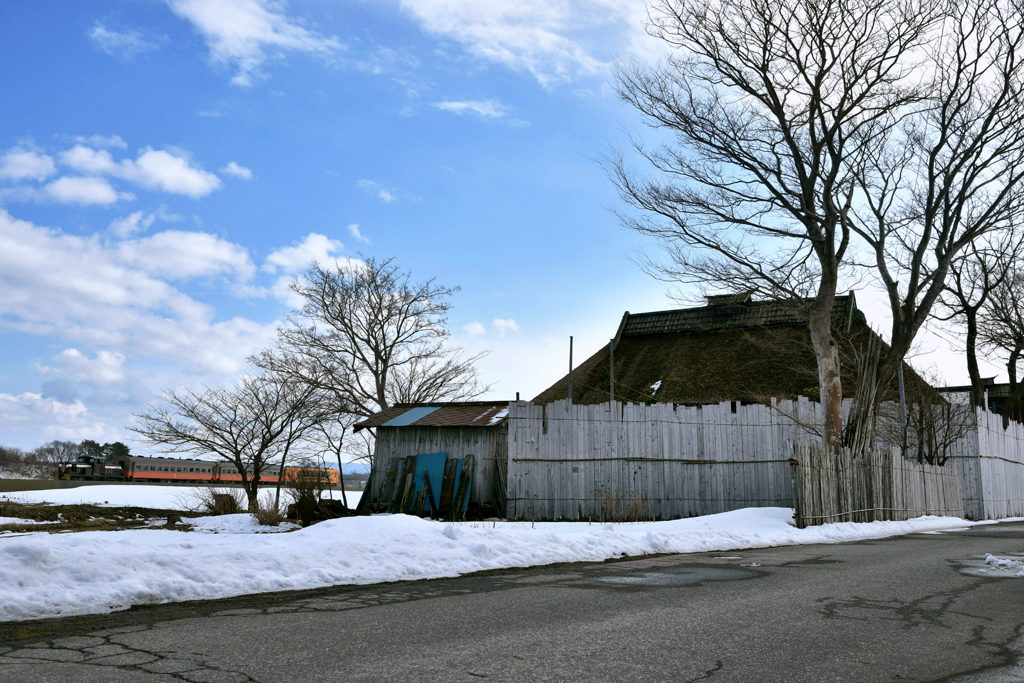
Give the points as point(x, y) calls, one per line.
point(269, 515)
point(213, 501)
point(78, 517)
point(615, 508)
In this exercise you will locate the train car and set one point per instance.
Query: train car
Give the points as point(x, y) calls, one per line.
point(154, 469)
point(157, 469)
point(321, 476)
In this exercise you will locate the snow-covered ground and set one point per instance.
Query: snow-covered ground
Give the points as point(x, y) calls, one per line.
point(19, 520)
point(139, 495)
point(235, 524)
point(46, 575)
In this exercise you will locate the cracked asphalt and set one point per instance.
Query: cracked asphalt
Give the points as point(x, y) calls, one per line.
point(894, 609)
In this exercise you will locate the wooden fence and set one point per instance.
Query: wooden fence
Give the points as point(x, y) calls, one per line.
point(880, 484)
point(636, 461)
point(616, 461)
point(994, 468)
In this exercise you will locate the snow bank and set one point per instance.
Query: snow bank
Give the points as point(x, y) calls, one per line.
point(47, 575)
point(235, 524)
point(135, 495)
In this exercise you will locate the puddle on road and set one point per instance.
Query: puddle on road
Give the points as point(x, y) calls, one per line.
point(681, 576)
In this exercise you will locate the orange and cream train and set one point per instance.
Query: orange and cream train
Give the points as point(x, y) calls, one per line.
point(180, 470)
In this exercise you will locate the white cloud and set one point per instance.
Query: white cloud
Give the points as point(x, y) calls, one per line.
point(25, 164)
point(126, 44)
point(282, 291)
point(31, 406)
point(163, 170)
point(555, 40)
point(95, 296)
point(89, 160)
point(105, 368)
point(504, 325)
point(158, 169)
point(500, 325)
point(357, 233)
point(237, 170)
point(313, 247)
point(177, 254)
point(379, 191)
point(244, 34)
point(102, 141)
point(488, 109)
point(134, 222)
point(83, 190)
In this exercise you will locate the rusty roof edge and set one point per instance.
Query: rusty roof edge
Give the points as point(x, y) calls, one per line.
point(362, 424)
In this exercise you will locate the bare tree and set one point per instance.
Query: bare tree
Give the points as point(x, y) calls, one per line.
point(972, 278)
point(1002, 330)
point(57, 452)
point(245, 424)
point(950, 175)
point(803, 131)
point(369, 337)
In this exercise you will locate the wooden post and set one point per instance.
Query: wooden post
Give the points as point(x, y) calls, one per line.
point(570, 370)
point(611, 370)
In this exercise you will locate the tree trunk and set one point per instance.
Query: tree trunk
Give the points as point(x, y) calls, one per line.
point(1012, 407)
point(280, 474)
point(252, 491)
point(341, 472)
point(830, 382)
point(977, 390)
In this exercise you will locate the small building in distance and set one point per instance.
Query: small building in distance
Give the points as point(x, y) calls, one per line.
point(466, 432)
point(997, 395)
point(732, 349)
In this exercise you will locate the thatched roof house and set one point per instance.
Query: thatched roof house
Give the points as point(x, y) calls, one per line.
point(732, 349)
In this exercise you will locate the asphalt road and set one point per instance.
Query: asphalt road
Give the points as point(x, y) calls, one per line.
point(894, 609)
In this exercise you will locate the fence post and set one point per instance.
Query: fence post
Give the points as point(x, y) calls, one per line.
point(794, 478)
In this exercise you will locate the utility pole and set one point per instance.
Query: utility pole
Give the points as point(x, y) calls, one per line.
point(570, 369)
point(611, 369)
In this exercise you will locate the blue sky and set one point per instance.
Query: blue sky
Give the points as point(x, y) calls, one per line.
point(167, 166)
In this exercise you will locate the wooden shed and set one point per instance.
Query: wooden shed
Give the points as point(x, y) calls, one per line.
point(475, 432)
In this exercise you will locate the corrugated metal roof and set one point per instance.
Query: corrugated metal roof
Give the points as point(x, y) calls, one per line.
point(410, 416)
point(466, 414)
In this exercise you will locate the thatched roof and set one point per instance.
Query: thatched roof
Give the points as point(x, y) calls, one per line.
point(736, 349)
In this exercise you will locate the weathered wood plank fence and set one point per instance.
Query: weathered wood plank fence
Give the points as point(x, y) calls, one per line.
point(618, 461)
point(659, 461)
point(880, 484)
point(997, 468)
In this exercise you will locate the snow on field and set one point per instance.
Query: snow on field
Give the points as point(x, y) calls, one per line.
point(47, 575)
point(235, 524)
point(138, 495)
point(19, 520)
